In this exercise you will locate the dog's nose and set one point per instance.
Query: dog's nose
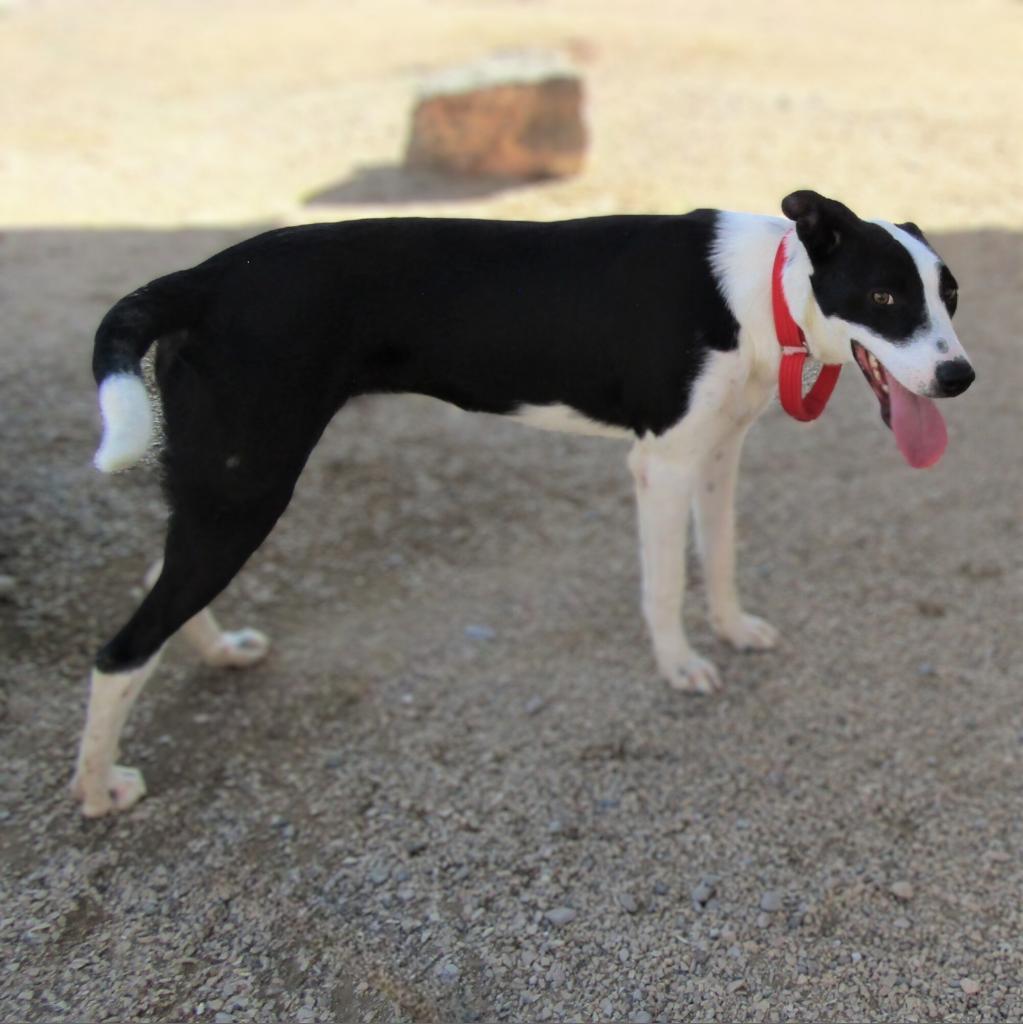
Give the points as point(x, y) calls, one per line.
point(954, 377)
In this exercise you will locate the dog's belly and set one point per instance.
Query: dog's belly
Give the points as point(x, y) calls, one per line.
point(567, 420)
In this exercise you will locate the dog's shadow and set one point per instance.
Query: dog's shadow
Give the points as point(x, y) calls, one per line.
point(395, 184)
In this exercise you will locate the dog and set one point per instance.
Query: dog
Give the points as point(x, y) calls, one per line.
point(653, 328)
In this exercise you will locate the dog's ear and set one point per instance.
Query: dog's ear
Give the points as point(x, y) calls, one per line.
point(820, 222)
point(911, 229)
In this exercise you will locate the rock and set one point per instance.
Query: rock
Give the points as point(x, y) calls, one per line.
point(969, 986)
point(628, 902)
point(534, 705)
point(902, 891)
point(448, 973)
point(516, 115)
point(704, 890)
point(476, 632)
point(771, 901)
point(8, 584)
point(901, 923)
point(559, 916)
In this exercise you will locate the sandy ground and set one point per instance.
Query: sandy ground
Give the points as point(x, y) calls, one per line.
point(460, 731)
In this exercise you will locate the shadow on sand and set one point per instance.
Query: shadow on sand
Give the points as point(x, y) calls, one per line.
point(396, 184)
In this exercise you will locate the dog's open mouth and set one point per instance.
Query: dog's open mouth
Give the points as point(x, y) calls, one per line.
point(918, 426)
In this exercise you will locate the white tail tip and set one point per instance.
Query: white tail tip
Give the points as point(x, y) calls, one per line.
point(127, 422)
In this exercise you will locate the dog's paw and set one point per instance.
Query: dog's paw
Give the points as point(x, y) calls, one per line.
point(747, 633)
point(124, 788)
point(693, 675)
point(238, 649)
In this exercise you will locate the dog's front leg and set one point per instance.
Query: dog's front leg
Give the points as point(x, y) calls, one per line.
point(664, 490)
point(715, 533)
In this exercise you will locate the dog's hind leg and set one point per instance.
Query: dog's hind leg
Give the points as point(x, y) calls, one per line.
point(206, 546)
point(216, 646)
point(664, 490)
point(714, 504)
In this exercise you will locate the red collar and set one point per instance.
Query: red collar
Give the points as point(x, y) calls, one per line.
point(793, 355)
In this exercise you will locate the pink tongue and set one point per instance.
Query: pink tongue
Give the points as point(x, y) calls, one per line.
point(918, 426)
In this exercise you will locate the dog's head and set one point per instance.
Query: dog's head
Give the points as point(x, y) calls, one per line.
point(879, 293)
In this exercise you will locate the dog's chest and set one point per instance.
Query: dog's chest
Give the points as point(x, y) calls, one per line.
point(733, 392)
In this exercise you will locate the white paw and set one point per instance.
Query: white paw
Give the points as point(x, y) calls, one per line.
point(124, 788)
point(747, 633)
point(238, 648)
point(692, 675)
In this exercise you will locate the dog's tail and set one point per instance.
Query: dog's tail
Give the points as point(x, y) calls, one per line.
point(122, 339)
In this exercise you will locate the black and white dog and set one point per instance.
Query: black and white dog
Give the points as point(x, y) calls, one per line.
point(657, 328)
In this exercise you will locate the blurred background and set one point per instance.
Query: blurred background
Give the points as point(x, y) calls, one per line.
point(214, 112)
point(457, 789)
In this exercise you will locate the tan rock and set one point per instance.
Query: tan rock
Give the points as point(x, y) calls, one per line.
point(902, 890)
point(515, 116)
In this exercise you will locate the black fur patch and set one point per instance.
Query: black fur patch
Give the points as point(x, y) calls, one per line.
point(948, 289)
point(612, 316)
point(843, 289)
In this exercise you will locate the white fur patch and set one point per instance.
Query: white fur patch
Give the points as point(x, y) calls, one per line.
point(565, 419)
point(127, 422)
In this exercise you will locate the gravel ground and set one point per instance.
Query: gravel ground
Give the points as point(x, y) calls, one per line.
point(457, 790)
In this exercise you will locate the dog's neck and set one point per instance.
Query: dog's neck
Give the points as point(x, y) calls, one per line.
point(743, 260)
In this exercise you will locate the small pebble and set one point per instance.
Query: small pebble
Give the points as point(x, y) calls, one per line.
point(771, 901)
point(8, 584)
point(901, 922)
point(559, 916)
point(379, 874)
point(902, 890)
point(448, 973)
point(969, 986)
point(704, 889)
point(641, 1017)
point(628, 903)
point(534, 705)
point(660, 888)
point(475, 632)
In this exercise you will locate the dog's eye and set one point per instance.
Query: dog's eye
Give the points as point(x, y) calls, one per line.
point(883, 298)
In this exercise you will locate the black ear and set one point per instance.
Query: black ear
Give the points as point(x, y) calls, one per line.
point(820, 222)
point(911, 229)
